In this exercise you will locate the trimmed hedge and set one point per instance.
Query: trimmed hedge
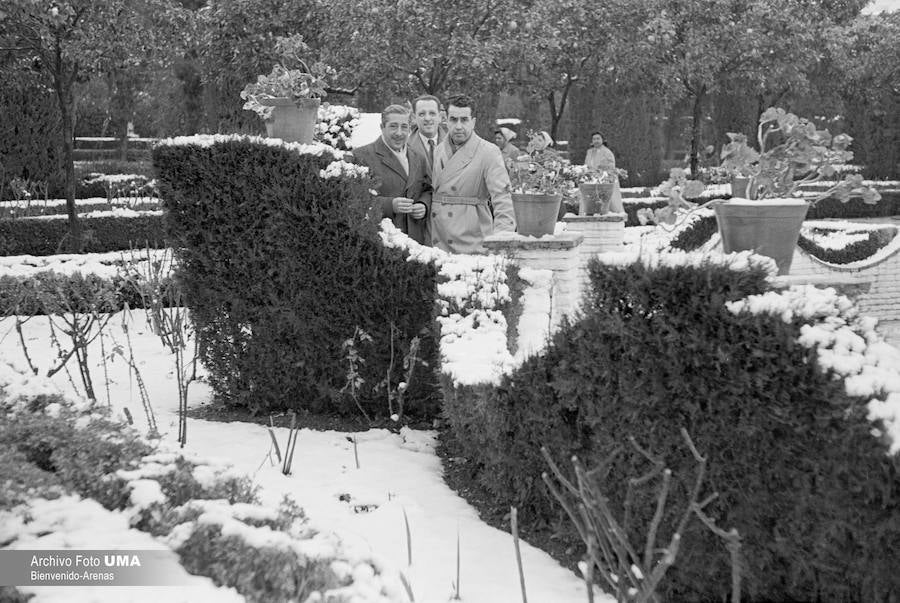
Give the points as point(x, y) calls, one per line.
point(30, 132)
point(280, 266)
point(889, 205)
point(859, 250)
point(633, 207)
point(43, 209)
point(798, 473)
point(43, 236)
point(701, 230)
point(53, 293)
point(44, 455)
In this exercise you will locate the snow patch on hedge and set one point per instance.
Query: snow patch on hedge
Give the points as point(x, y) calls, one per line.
point(846, 344)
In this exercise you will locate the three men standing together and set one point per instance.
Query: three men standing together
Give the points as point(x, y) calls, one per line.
point(455, 190)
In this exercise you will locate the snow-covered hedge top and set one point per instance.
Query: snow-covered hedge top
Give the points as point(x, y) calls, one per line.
point(845, 343)
point(366, 578)
point(207, 140)
point(115, 212)
point(844, 233)
point(474, 347)
point(88, 201)
point(343, 169)
point(105, 265)
point(118, 178)
point(738, 262)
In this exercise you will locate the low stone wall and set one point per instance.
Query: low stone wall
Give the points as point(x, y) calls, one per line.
point(567, 253)
point(881, 273)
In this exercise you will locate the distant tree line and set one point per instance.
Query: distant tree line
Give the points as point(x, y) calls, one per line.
point(657, 76)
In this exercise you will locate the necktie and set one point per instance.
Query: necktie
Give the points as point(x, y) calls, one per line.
point(430, 152)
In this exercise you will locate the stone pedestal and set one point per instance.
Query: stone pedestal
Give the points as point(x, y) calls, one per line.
point(601, 234)
point(558, 253)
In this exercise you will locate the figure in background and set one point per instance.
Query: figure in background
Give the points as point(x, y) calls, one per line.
point(502, 138)
point(600, 159)
point(471, 197)
point(403, 180)
point(428, 134)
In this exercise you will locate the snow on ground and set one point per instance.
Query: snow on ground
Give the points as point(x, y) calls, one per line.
point(71, 522)
point(364, 506)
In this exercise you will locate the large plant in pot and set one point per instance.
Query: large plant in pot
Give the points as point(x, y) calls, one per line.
point(595, 187)
point(537, 182)
point(288, 97)
point(792, 152)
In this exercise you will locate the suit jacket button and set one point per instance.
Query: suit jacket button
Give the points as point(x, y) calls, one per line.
point(449, 214)
point(453, 188)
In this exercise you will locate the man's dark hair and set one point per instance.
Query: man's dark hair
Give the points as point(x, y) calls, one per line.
point(597, 133)
point(461, 100)
point(426, 97)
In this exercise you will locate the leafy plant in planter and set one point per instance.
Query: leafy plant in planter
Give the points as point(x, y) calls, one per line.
point(541, 171)
point(537, 181)
point(595, 187)
point(676, 188)
point(793, 152)
point(300, 82)
point(582, 174)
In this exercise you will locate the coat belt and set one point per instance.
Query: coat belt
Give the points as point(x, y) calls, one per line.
point(454, 200)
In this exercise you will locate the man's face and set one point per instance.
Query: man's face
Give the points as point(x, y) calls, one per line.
point(427, 117)
point(499, 140)
point(596, 140)
point(461, 123)
point(395, 130)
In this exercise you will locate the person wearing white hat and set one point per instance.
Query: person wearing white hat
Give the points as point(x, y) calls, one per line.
point(502, 138)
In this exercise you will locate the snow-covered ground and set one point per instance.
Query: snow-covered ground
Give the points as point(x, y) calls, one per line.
point(365, 506)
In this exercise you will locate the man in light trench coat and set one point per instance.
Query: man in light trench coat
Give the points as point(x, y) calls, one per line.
point(471, 198)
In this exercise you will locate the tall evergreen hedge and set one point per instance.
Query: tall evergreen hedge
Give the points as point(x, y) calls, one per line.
point(30, 134)
point(280, 266)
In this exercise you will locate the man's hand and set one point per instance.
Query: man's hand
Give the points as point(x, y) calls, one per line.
point(402, 205)
point(418, 211)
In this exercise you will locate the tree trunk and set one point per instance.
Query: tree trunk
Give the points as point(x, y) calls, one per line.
point(556, 113)
point(697, 129)
point(63, 80)
point(123, 108)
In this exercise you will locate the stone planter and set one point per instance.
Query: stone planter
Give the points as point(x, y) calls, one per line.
point(292, 121)
point(769, 227)
point(536, 214)
point(594, 198)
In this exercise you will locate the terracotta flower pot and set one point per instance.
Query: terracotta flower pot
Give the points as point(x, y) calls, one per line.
point(536, 213)
point(290, 121)
point(594, 198)
point(769, 227)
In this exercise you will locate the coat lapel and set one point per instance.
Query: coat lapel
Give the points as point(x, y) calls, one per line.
point(452, 163)
point(388, 158)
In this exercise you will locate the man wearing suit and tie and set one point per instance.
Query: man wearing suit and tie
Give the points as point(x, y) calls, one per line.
point(428, 134)
point(402, 176)
point(471, 197)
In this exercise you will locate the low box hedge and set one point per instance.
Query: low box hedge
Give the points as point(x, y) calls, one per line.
point(47, 236)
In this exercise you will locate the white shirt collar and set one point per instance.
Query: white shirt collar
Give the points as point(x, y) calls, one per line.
point(425, 139)
point(400, 155)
